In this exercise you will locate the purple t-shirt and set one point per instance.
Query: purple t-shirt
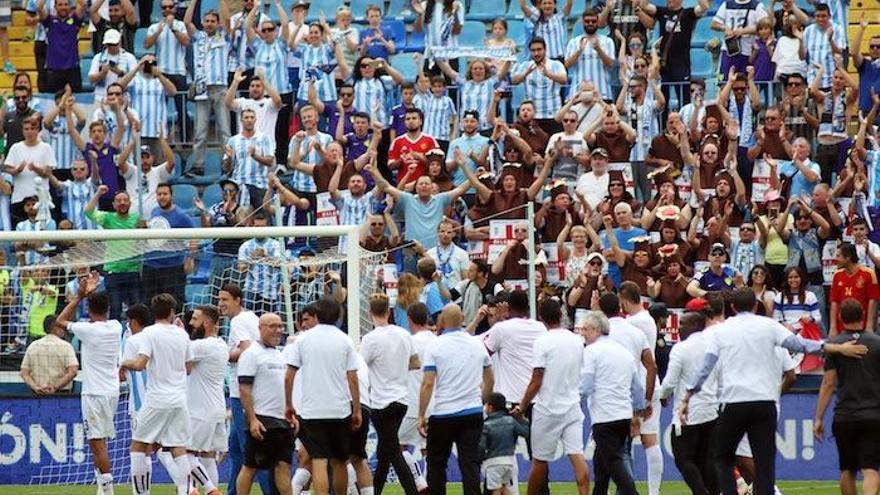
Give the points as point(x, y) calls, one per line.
point(764, 68)
point(397, 123)
point(62, 48)
point(331, 113)
point(107, 168)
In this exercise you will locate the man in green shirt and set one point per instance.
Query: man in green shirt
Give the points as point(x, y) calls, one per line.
point(40, 300)
point(122, 269)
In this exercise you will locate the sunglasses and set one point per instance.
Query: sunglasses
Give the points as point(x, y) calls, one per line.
point(716, 253)
point(615, 184)
point(793, 84)
point(573, 121)
point(742, 88)
point(115, 93)
point(343, 95)
point(873, 46)
point(22, 98)
point(747, 229)
point(168, 7)
point(769, 117)
point(268, 29)
point(595, 263)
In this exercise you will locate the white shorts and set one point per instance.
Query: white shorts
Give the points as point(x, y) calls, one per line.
point(651, 425)
point(207, 436)
point(549, 430)
point(498, 475)
point(98, 412)
point(408, 433)
point(166, 427)
point(744, 449)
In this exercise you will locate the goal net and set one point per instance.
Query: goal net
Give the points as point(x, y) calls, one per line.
point(279, 269)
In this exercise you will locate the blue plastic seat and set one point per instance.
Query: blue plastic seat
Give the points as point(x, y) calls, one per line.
point(398, 29)
point(359, 8)
point(485, 10)
point(399, 9)
point(473, 33)
point(212, 195)
point(139, 36)
point(209, 5)
point(415, 42)
point(703, 32)
point(701, 63)
point(514, 11)
point(405, 64)
point(184, 196)
point(516, 31)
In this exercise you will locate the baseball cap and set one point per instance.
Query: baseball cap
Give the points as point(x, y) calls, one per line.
point(696, 305)
point(718, 247)
point(145, 150)
point(232, 183)
point(112, 37)
point(435, 153)
point(600, 151)
point(300, 4)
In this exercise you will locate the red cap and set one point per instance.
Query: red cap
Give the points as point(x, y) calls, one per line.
point(696, 305)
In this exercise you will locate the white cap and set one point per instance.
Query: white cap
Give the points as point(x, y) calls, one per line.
point(112, 37)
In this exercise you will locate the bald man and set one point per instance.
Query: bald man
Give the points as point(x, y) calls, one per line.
point(458, 374)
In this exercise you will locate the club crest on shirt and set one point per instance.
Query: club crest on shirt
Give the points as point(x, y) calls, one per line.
point(860, 283)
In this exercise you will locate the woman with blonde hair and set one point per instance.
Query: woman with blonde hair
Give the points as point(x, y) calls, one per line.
point(409, 289)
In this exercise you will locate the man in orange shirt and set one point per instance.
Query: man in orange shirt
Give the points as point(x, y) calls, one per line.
point(853, 281)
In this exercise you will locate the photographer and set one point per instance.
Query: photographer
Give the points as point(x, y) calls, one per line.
point(148, 88)
point(110, 65)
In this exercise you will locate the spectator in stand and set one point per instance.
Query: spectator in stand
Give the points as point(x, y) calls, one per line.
point(353, 203)
point(439, 113)
point(544, 21)
point(13, 118)
point(330, 112)
point(75, 193)
point(347, 36)
point(171, 39)
point(240, 54)
point(369, 87)
point(22, 162)
point(103, 111)
point(476, 86)
point(55, 132)
point(571, 150)
point(32, 19)
point(442, 20)
point(738, 20)
point(262, 98)
point(543, 79)
point(148, 87)
point(247, 157)
point(373, 235)
point(868, 67)
point(590, 56)
point(408, 150)
point(210, 50)
point(376, 40)
point(743, 105)
point(468, 149)
point(319, 55)
point(120, 17)
point(225, 213)
point(308, 146)
point(823, 40)
point(102, 154)
point(111, 64)
point(853, 281)
point(162, 271)
point(716, 276)
point(142, 183)
point(122, 277)
point(62, 48)
point(643, 114)
point(49, 364)
point(789, 11)
point(257, 260)
point(452, 261)
point(586, 104)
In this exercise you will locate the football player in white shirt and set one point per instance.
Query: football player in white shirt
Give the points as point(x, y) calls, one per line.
point(556, 415)
point(417, 315)
point(164, 418)
point(389, 353)
point(303, 474)
point(637, 316)
point(206, 402)
point(100, 340)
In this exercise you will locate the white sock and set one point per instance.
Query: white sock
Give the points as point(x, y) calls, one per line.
point(654, 457)
point(300, 479)
point(140, 475)
point(182, 473)
point(367, 490)
point(416, 470)
point(210, 465)
point(199, 475)
point(352, 480)
point(167, 461)
point(105, 481)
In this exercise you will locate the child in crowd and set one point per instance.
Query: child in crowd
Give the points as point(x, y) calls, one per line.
point(498, 445)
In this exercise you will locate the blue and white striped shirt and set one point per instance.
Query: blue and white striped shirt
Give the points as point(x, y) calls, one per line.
point(791, 310)
point(32, 256)
point(370, 92)
point(124, 61)
point(5, 214)
point(352, 211)
point(819, 51)
point(170, 53)
point(644, 119)
point(476, 96)
point(62, 144)
point(553, 29)
point(241, 54)
point(40, 29)
point(109, 118)
point(148, 99)
point(137, 380)
point(542, 90)
point(589, 67)
point(438, 110)
point(839, 14)
point(210, 57)
point(311, 56)
point(263, 276)
point(273, 59)
point(302, 182)
point(439, 30)
point(248, 171)
point(74, 198)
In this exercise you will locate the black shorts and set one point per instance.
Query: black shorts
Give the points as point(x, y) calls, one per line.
point(326, 438)
point(358, 443)
point(858, 444)
point(276, 445)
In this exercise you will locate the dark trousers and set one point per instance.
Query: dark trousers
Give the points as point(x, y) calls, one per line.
point(40, 59)
point(387, 422)
point(238, 433)
point(123, 288)
point(282, 128)
point(693, 450)
point(758, 419)
point(145, 11)
point(56, 80)
point(464, 432)
point(170, 279)
point(827, 157)
point(608, 462)
point(744, 168)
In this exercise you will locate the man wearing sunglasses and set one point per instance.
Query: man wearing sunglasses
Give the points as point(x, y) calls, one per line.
point(869, 68)
point(715, 277)
point(110, 65)
point(12, 121)
point(171, 39)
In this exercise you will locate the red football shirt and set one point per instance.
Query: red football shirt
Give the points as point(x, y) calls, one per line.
point(402, 145)
point(861, 286)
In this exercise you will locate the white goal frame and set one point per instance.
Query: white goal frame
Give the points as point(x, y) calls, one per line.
point(351, 254)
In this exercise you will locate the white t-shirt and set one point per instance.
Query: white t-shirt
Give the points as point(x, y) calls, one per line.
point(593, 188)
point(100, 356)
point(862, 252)
point(266, 112)
point(324, 356)
point(23, 184)
point(561, 354)
point(607, 377)
point(266, 366)
point(451, 262)
point(459, 359)
point(421, 341)
point(629, 337)
point(205, 383)
point(244, 326)
point(168, 349)
point(149, 182)
point(513, 341)
point(387, 351)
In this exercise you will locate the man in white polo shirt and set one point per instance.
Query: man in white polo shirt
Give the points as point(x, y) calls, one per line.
point(327, 362)
point(100, 340)
point(261, 374)
point(422, 336)
point(611, 384)
point(556, 414)
point(458, 373)
point(389, 353)
point(637, 316)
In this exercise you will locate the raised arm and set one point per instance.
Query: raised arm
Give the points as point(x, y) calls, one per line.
point(94, 11)
point(483, 191)
point(188, 17)
point(538, 183)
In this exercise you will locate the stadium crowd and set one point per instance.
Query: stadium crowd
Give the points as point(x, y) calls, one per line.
point(672, 200)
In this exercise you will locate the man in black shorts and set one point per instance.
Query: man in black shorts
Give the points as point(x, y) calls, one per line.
point(856, 425)
point(261, 373)
point(327, 362)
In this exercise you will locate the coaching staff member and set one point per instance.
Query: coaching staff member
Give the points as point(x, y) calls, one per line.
point(269, 444)
point(331, 406)
point(745, 348)
point(455, 365)
point(856, 424)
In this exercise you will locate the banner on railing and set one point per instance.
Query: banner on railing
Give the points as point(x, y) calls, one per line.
point(451, 52)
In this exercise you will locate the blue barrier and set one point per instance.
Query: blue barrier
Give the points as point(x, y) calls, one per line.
point(43, 436)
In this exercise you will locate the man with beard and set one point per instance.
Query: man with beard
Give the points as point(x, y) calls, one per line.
point(13, 122)
point(465, 149)
point(798, 110)
point(642, 113)
point(205, 400)
point(410, 148)
point(353, 203)
point(248, 156)
point(543, 79)
point(590, 56)
point(164, 272)
point(120, 17)
point(122, 278)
